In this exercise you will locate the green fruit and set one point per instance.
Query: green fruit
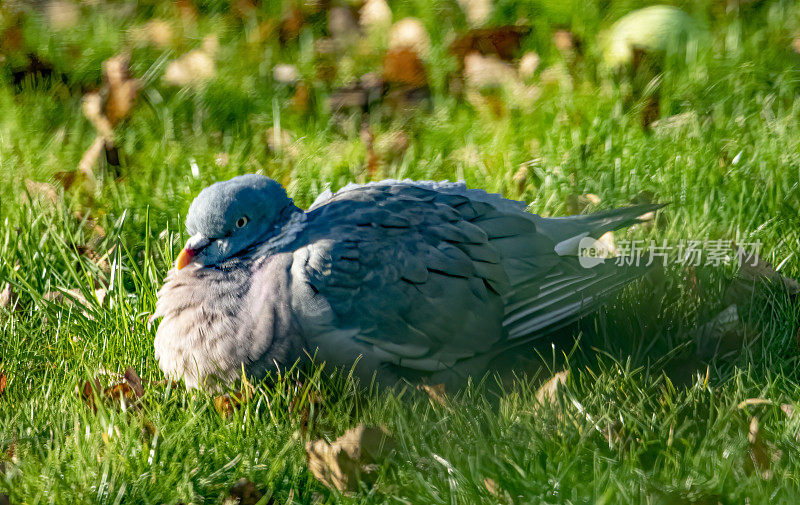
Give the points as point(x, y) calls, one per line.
point(653, 29)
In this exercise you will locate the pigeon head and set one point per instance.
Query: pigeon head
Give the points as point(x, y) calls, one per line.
point(231, 216)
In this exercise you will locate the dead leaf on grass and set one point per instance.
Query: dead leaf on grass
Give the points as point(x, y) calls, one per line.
point(550, 392)
point(759, 453)
point(502, 41)
point(410, 33)
point(245, 492)
point(42, 191)
point(3, 383)
point(351, 459)
point(8, 298)
point(436, 392)
point(123, 395)
point(402, 66)
point(749, 402)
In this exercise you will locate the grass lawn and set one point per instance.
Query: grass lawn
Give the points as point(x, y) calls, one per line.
point(653, 411)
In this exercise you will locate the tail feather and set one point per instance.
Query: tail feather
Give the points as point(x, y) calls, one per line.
point(568, 231)
point(538, 305)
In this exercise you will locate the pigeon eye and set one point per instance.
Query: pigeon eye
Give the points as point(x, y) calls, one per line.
point(241, 221)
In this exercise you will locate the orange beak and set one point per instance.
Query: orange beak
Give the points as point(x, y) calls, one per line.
point(184, 258)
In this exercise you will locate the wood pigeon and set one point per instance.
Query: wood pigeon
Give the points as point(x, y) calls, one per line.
point(396, 280)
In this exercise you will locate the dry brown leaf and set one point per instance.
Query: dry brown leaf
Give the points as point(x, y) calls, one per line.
point(410, 33)
point(435, 392)
point(502, 41)
point(245, 492)
point(549, 392)
point(91, 155)
point(353, 458)
point(226, 404)
point(491, 486)
point(3, 383)
point(403, 66)
point(123, 395)
point(301, 97)
point(303, 409)
point(488, 71)
point(75, 296)
point(391, 145)
point(42, 191)
point(375, 15)
point(291, 25)
point(528, 64)
point(749, 402)
point(120, 88)
point(194, 68)
point(8, 298)
point(759, 455)
point(62, 14)
point(285, 73)
point(156, 32)
point(132, 378)
point(476, 11)
point(93, 110)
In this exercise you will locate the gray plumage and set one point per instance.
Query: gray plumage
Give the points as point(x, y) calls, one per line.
point(407, 279)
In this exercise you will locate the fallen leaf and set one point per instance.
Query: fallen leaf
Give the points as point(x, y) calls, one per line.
point(155, 32)
point(435, 392)
point(42, 191)
point(488, 71)
point(8, 298)
point(342, 26)
point(476, 11)
point(285, 73)
point(350, 460)
point(226, 404)
point(550, 392)
point(62, 14)
point(194, 68)
point(71, 297)
point(3, 383)
point(245, 492)
point(753, 401)
point(291, 25)
point(502, 41)
point(410, 33)
point(301, 98)
point(89, 392)
point(403, 66)
point(759, 455)
point(135, 381)
point(91, 155)
point(120, 89)
point(123, 395)
point(491, 486)
point(375, 15)
point(528, 64)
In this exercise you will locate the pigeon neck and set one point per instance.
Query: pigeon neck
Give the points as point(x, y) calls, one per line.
point(287, 225)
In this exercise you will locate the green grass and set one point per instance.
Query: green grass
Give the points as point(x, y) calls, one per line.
point(650, 414)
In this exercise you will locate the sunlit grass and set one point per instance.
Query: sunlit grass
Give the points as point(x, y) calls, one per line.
point(647, 417)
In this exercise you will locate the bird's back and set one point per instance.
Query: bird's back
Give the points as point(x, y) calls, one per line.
point(426, 279)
